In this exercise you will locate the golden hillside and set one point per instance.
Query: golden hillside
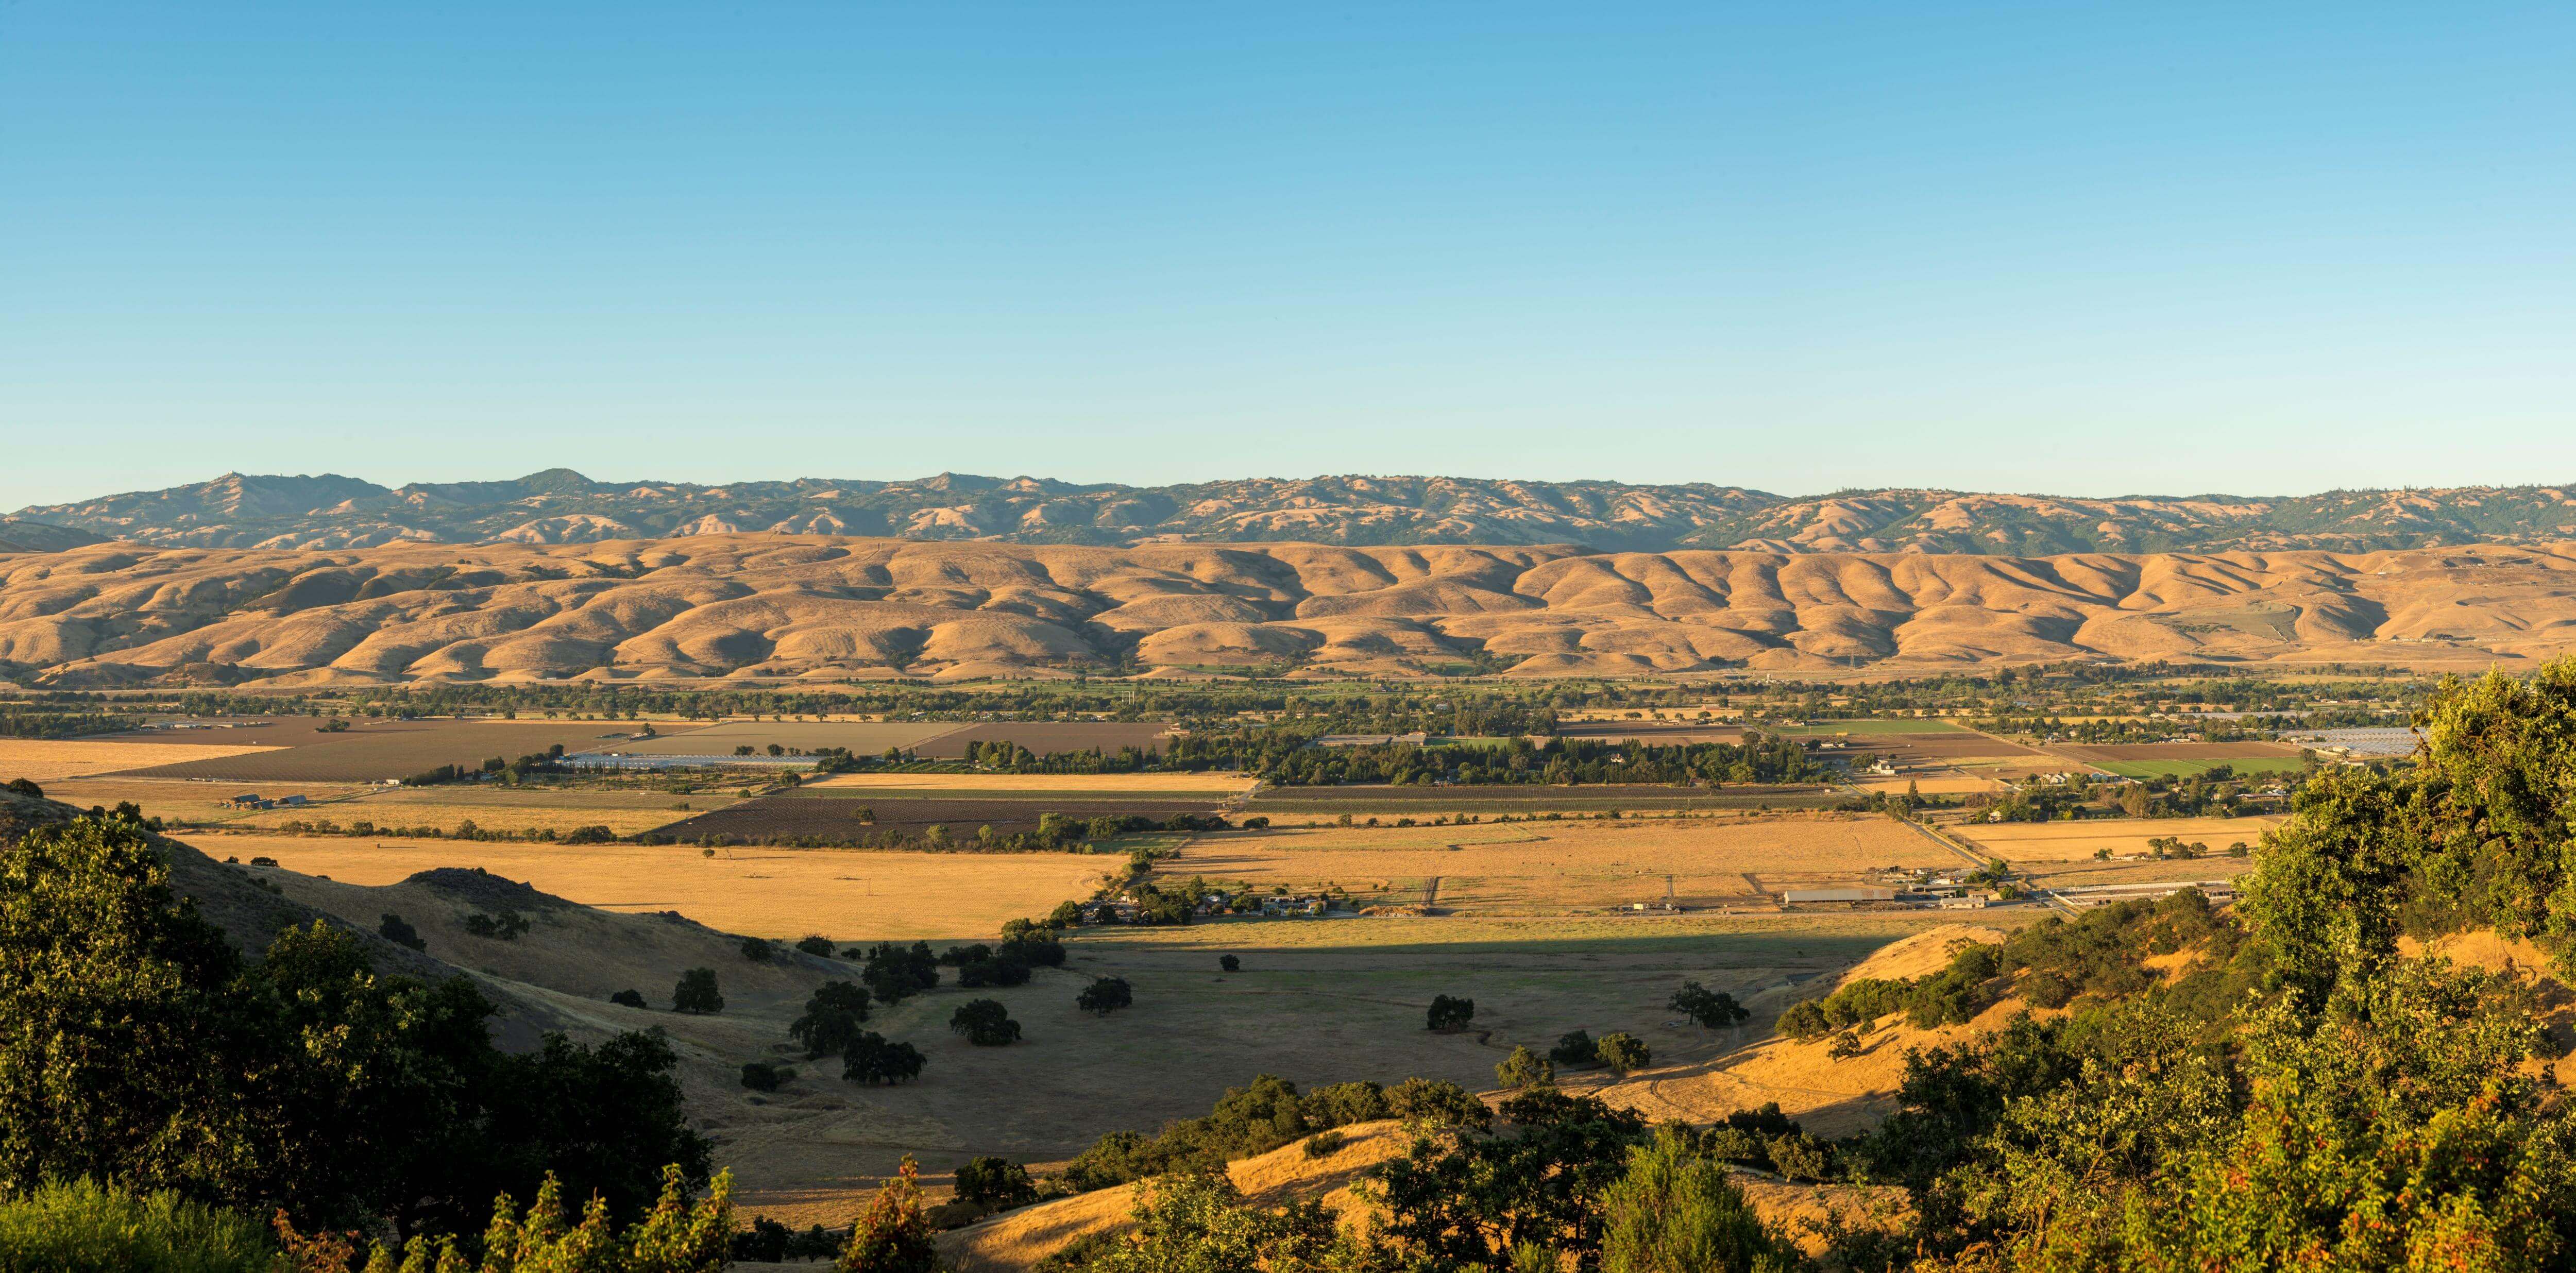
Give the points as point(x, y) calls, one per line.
point(833, 607)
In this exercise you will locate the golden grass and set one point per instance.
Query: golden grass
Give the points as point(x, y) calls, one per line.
point(1546, 867)
point(2074, 841)
point(1831, 1097)
point(1019, 1239)
point(39, 759)
point(783, 893)
point(1211, 784)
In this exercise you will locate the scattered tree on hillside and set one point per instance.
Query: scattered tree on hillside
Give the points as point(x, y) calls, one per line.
point(1437, 1103)
point(815, 945)
point(1524, 1068)
point(1105, 996)
point(985, 1023)
point(392, 928)
point(1575, 1050)
point(894, 973)
point(1449, 1015)
point(831, 1018)
point(873, 1059)
point(696, 993)
point(1623, 1053)
point(506, 926)
point(1229, 963)
point(628, 998)
point(1715, 1010)
point(995, 1182)
point(756, 949)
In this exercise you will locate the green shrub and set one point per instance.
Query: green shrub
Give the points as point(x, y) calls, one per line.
point(83, 1228)
point(1623, 1053)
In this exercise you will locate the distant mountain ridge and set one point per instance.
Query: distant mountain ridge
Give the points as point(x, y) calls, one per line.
point(562, 506)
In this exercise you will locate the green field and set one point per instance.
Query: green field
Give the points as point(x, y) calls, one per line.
point(2193, 768)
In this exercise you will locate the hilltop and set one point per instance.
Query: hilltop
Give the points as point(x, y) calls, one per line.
point(561, 506)
point(832, 608)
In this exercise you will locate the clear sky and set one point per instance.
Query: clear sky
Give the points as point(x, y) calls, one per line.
point(2078, 248)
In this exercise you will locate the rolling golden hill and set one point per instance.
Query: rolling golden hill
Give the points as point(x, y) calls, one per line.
point(829, 607)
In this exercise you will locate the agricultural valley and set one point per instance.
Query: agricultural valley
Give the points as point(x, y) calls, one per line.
point(1027, 888)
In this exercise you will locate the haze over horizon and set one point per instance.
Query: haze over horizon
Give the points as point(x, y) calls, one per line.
point(1989, 248)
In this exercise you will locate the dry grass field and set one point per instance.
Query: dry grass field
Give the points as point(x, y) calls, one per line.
point(1315, 1001)
point(40, 759)
point(2020, 842)
point(1830, 1097)
point(782, 893)
point(1556, 867)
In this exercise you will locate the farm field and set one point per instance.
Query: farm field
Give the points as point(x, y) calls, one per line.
point(379, 751)
point(937, 740)
point(1038, 786)
point(1537, 868)
point(1870, 726)
point(1934, 785)
point(2193, 768)
point(519, 809)
point(2021, 842)
point(1426, 802)
point(1661, 732)
point(1915, 749)
point(198, 802)
point(2178, 751)
point(720, 739)
point(42, 759)
point(834, 813)
point(848, 895)
point(2218, 866)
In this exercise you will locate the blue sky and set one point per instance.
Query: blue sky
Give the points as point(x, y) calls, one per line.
point(2081, 249)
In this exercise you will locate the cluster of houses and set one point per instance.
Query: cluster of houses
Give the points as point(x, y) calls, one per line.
point(1216, 905)
point(252, 800)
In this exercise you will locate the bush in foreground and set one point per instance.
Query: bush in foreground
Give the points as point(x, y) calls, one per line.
point(83, 1228)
